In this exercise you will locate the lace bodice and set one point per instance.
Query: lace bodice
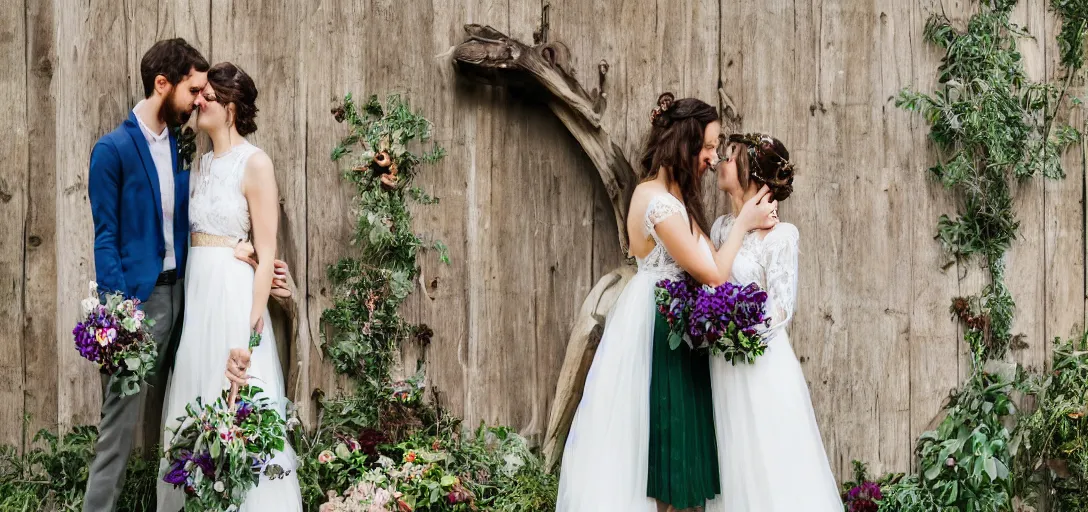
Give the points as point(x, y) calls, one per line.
point(771, 262)
point(217, 205)
point(659, 261)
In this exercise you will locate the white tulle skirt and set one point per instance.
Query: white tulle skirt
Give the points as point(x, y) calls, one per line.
point(770, 452)
point(218, 299)
point(607, 451)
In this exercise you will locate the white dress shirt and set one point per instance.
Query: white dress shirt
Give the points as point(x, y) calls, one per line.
point(164, 165)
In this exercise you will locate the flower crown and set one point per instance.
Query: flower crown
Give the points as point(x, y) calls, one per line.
point(761, 144)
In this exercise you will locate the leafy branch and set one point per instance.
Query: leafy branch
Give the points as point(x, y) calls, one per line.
point(990, 125)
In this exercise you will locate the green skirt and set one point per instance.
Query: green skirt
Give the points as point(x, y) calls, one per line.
point(683, 466)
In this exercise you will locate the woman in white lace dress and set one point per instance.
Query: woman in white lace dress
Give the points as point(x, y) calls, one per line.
point(605, 461)
point(232, 194)
point(770, 452)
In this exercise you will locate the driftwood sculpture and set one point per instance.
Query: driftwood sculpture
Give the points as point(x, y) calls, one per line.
point(490, 57)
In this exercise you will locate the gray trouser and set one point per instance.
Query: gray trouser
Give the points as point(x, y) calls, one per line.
point(117, 430)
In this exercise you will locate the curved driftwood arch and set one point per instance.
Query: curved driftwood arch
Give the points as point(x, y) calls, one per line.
point(491, 57)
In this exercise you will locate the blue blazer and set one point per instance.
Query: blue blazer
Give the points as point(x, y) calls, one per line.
point(126, 205)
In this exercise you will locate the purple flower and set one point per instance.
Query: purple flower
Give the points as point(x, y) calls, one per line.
point(176, 476)
point(727, 319)
point(205, 463)
point(245, 408)
point(862, 498)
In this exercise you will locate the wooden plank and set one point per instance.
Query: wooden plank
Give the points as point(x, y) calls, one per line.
point(933, 359)
point(453, 107)
point(336, 63)
point(92, 89)
point(190, 19)
point(506, 349)
point(1024, 276)
point(1062, 288)
point(40, 319)
point(893, 63)
point(590, 44)
point(13, 210)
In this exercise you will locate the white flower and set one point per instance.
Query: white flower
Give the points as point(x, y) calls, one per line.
point(88, 305)
point(384, 461)
point(219, 486)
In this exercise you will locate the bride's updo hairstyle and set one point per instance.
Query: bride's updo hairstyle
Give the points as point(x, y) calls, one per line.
point(764, 160)
point(234, 86)
point(675, 140)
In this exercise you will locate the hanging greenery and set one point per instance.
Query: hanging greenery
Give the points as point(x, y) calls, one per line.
point(990, 125)
point(385, 447)
point(364, 326)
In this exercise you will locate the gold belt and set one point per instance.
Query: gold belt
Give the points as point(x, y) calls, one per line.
point(208, 240)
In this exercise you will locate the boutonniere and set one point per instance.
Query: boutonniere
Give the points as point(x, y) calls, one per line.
point(186, 138)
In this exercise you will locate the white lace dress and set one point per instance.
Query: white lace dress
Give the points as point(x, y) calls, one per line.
point(770, 453)
point(607, 451)
point(218, 299)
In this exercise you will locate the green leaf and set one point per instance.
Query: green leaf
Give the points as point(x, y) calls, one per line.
point(675, 340)
point(933, 471)
point(132, 363)
point(129, 387)
point(991, 468)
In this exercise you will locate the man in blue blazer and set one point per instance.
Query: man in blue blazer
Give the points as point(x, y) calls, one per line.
point(139, 193)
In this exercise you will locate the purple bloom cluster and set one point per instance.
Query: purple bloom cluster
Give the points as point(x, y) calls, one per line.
point(114, 334)
point(674, 298)
point(726, 319)
point(99, 325)
point(715, 308)
point(863, 498)
point(178, 475)
point(245, 408)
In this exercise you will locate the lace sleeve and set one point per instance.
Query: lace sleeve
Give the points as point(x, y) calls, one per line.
point(660, 208)
point(779, 257)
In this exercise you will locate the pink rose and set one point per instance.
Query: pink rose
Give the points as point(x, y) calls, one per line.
point(326, 457)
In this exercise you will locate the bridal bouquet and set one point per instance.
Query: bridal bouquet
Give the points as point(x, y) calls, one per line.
point(726, 320)
point(729, 318)
point(114, 333)
point(219, 450)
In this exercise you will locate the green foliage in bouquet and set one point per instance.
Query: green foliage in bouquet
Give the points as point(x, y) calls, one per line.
point(219, 451)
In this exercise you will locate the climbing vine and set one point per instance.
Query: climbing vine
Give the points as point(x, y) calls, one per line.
point(990, 125)
point(364, 326)
point(385, 446)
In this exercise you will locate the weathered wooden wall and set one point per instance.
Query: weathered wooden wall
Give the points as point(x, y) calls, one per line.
point(528, 225)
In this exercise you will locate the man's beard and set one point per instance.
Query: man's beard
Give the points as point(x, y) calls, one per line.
point(172, 115)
